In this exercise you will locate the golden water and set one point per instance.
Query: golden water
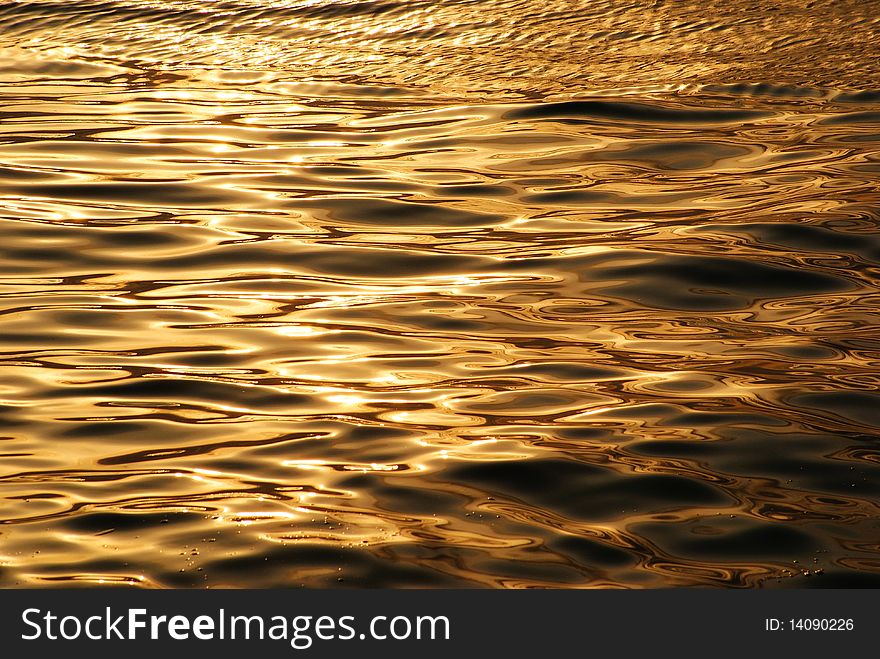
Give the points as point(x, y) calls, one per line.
point(509, 294)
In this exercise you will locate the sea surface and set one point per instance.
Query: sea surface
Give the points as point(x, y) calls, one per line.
point(439, 294)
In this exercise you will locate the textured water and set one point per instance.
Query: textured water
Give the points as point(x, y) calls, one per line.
point(510, 294)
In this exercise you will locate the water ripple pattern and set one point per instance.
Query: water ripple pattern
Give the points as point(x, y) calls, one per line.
point(439, 294)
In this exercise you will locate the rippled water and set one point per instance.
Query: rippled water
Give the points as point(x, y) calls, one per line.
point(505, 294)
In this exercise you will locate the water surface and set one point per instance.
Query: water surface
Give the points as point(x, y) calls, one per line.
point(432, 294)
